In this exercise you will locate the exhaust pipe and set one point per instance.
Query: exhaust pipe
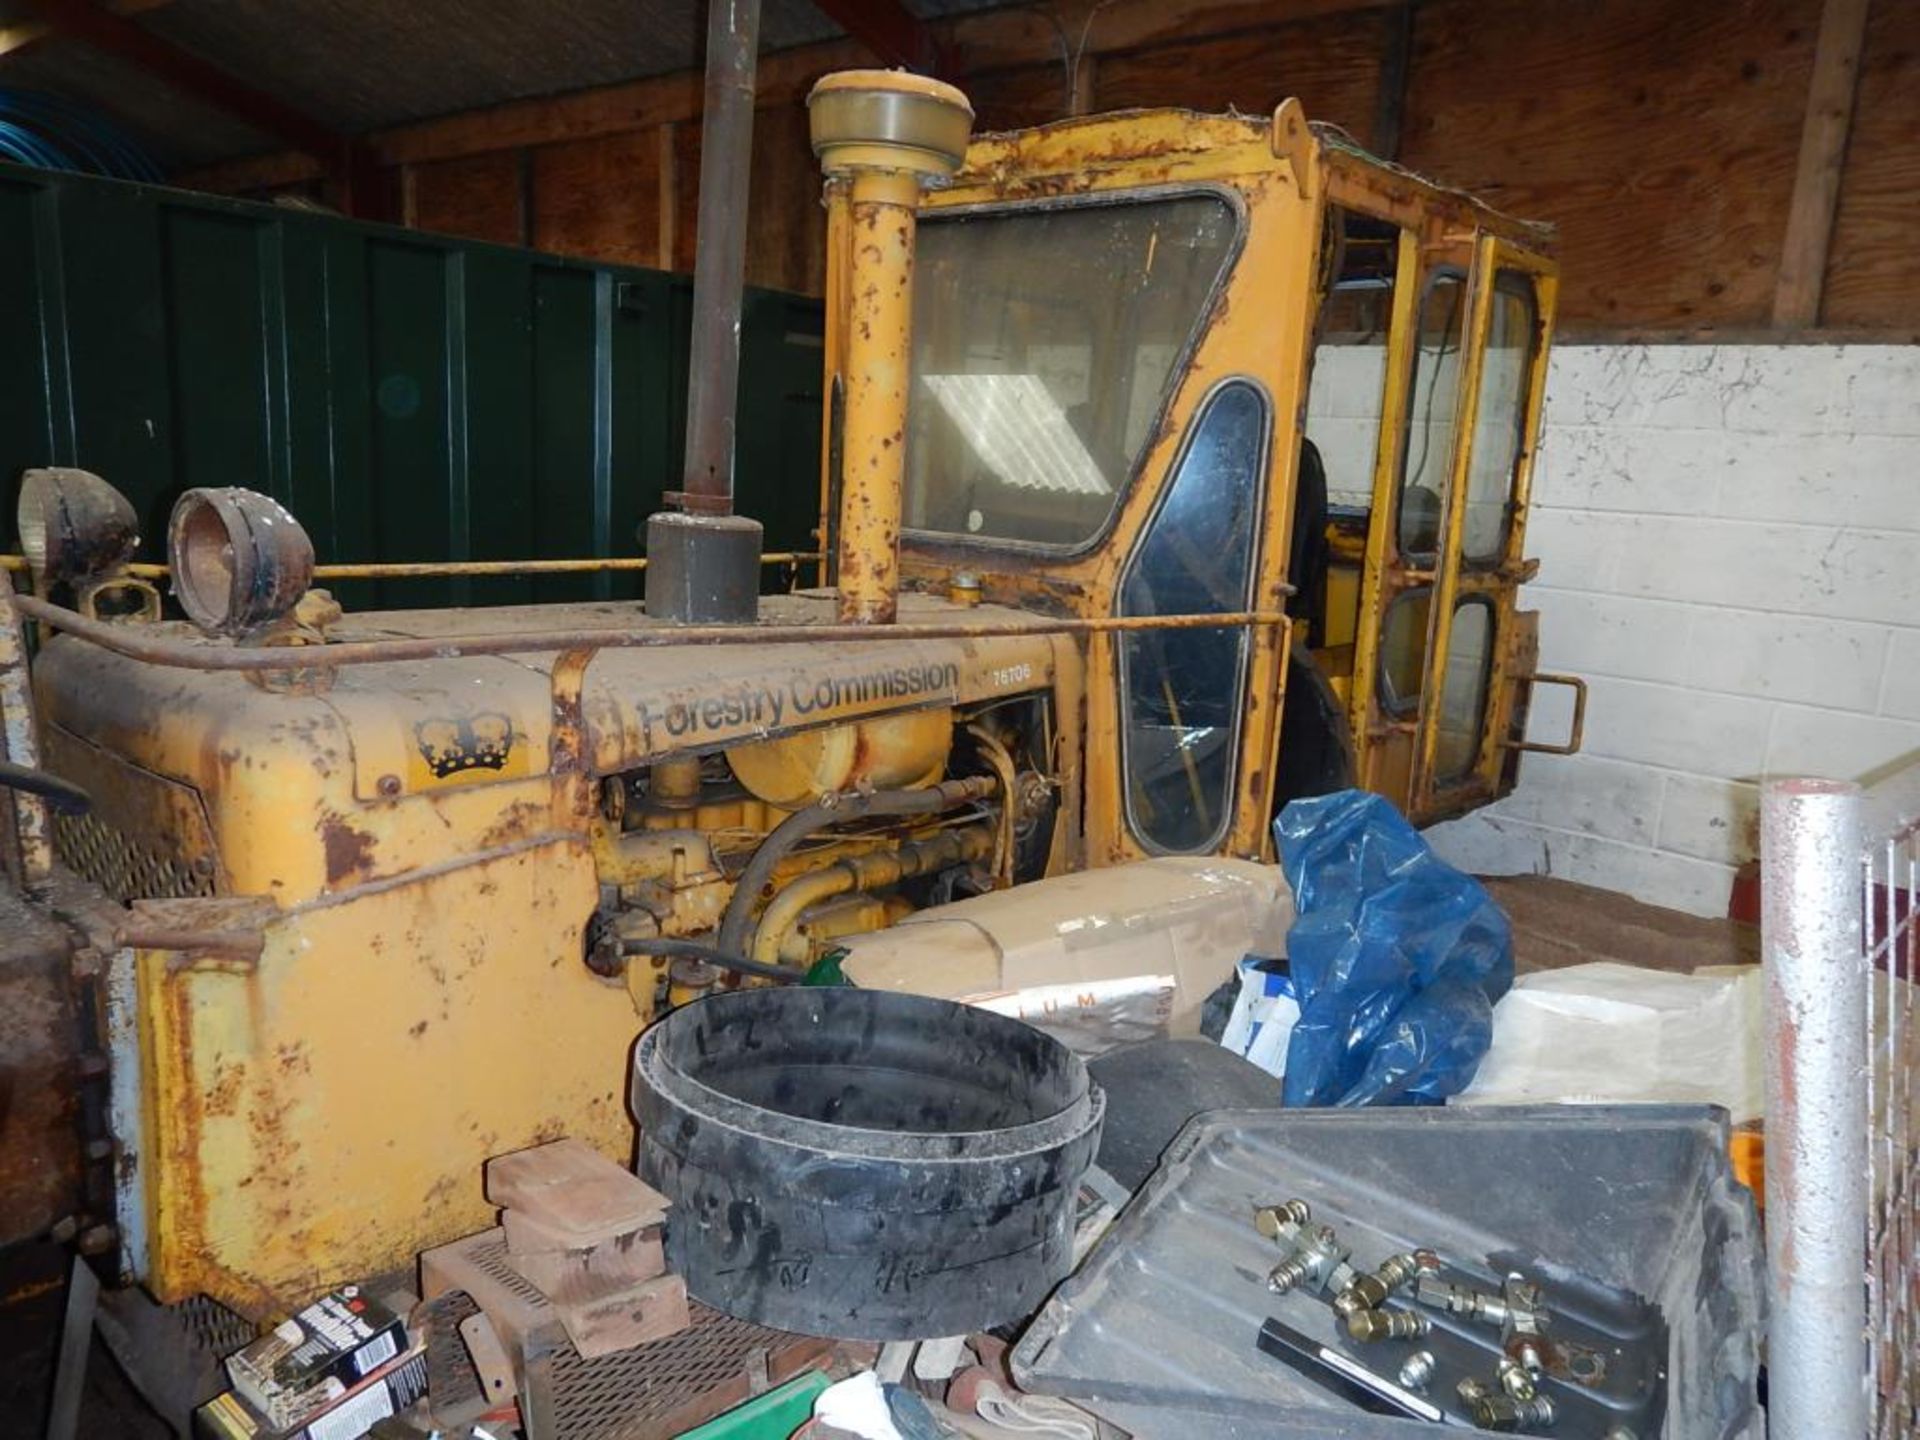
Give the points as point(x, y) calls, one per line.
point(703, 561)
point(882, 137)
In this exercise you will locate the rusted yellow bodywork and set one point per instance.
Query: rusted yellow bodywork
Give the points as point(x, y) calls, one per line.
point(419, 1000)
point(416, 847)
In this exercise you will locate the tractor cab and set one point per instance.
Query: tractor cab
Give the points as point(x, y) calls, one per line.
point(1168, 363)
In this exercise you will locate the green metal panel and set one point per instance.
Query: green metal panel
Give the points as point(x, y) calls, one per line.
point(409, 396)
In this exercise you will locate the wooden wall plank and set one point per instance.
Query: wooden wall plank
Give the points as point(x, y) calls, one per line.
point(599, 198)
point(1027, 95)
point(1873, 265)
point(1659, 137)
point(786, 226)
point(1823, 152)
point(1654, 135)
point(1331, 64)
point(476, 196)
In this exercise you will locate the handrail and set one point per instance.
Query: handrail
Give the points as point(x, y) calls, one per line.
point(439, 569)
point(132, 642)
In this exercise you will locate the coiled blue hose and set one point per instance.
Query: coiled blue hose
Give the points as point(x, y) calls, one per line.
point(57, 133)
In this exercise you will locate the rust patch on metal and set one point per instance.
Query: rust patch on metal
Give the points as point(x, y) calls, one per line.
point(349, 851)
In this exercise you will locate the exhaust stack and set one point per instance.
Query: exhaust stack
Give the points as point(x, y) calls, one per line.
point(703, 561)
point(882, 136)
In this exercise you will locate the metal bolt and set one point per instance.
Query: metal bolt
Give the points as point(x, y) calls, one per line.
point(1514, 1379)
point(1619, 1432)
point(1270, 1220)
point(388, 785)
point(1371, 1325)
point(1417, 1369)
point(98, 1239)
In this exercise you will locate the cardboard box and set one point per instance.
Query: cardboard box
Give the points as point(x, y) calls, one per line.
point(313, 1356)
point(1188, 917)
point(351, 1413)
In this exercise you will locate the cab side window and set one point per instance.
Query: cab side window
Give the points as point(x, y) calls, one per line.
point(1183, 690)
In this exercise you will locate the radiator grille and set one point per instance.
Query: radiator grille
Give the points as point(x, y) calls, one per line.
point(120, 865)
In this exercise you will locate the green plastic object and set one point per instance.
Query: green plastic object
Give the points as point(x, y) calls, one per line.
point(772, 1416)
point(826, 970)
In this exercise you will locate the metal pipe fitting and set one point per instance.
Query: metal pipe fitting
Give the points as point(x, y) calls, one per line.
point(1514, 1378)
point(1278, 1222)
point(1368, 1326)
point(1416, 1371)
point(1432, 1291)
point(1370, 1291)
point(888, 135)
point(1492, 1411)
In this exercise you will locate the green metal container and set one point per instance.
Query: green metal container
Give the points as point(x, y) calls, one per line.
point(409, 396)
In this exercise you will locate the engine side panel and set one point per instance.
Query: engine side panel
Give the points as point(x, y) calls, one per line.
point(322, 1113)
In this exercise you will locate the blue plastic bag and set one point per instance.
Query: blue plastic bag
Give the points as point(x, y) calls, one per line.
point(1396, 958)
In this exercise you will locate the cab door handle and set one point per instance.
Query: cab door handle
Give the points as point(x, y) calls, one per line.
point(1575, 732)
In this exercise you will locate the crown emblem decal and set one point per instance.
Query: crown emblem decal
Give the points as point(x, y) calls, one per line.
point(452, 747)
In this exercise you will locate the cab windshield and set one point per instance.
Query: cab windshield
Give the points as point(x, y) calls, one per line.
point(1043, 346)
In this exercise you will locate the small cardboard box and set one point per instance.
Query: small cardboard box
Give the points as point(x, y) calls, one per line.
point(350, 1414)
point(309, 1359)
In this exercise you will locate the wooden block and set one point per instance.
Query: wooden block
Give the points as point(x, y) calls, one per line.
point(529, 1236)
point(601, 1322)
point(569, 1186)
point(628, 1260)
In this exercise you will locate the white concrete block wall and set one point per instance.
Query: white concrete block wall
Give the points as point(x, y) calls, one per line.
point(1729, 545)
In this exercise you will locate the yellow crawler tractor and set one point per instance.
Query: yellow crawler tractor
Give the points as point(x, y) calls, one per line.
point(1141, 430)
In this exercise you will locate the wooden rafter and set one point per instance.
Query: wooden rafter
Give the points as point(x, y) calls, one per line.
point(114, 34)
point(1823, 154)
point(26, 34)
point(889, 29)
point(982, 41)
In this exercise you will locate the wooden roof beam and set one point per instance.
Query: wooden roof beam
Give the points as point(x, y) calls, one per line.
point(890, 30)
point(26, 34)
point(978, 41)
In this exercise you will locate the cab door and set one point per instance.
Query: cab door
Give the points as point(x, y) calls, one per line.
point(1482, 648)
point(1393, 638)
point(1449, 656)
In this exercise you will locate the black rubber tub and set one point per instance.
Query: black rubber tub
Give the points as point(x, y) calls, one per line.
point(861, 1164)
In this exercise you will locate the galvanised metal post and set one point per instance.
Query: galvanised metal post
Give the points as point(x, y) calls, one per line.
point(1811, 858)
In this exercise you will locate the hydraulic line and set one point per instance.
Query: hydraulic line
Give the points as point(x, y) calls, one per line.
point(932, 800)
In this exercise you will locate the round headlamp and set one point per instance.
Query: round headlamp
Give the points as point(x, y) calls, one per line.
point(75, 528)
point(240, 560)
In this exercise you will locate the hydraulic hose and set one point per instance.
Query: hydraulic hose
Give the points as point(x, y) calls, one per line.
point(932, 800)
point(712, 954)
